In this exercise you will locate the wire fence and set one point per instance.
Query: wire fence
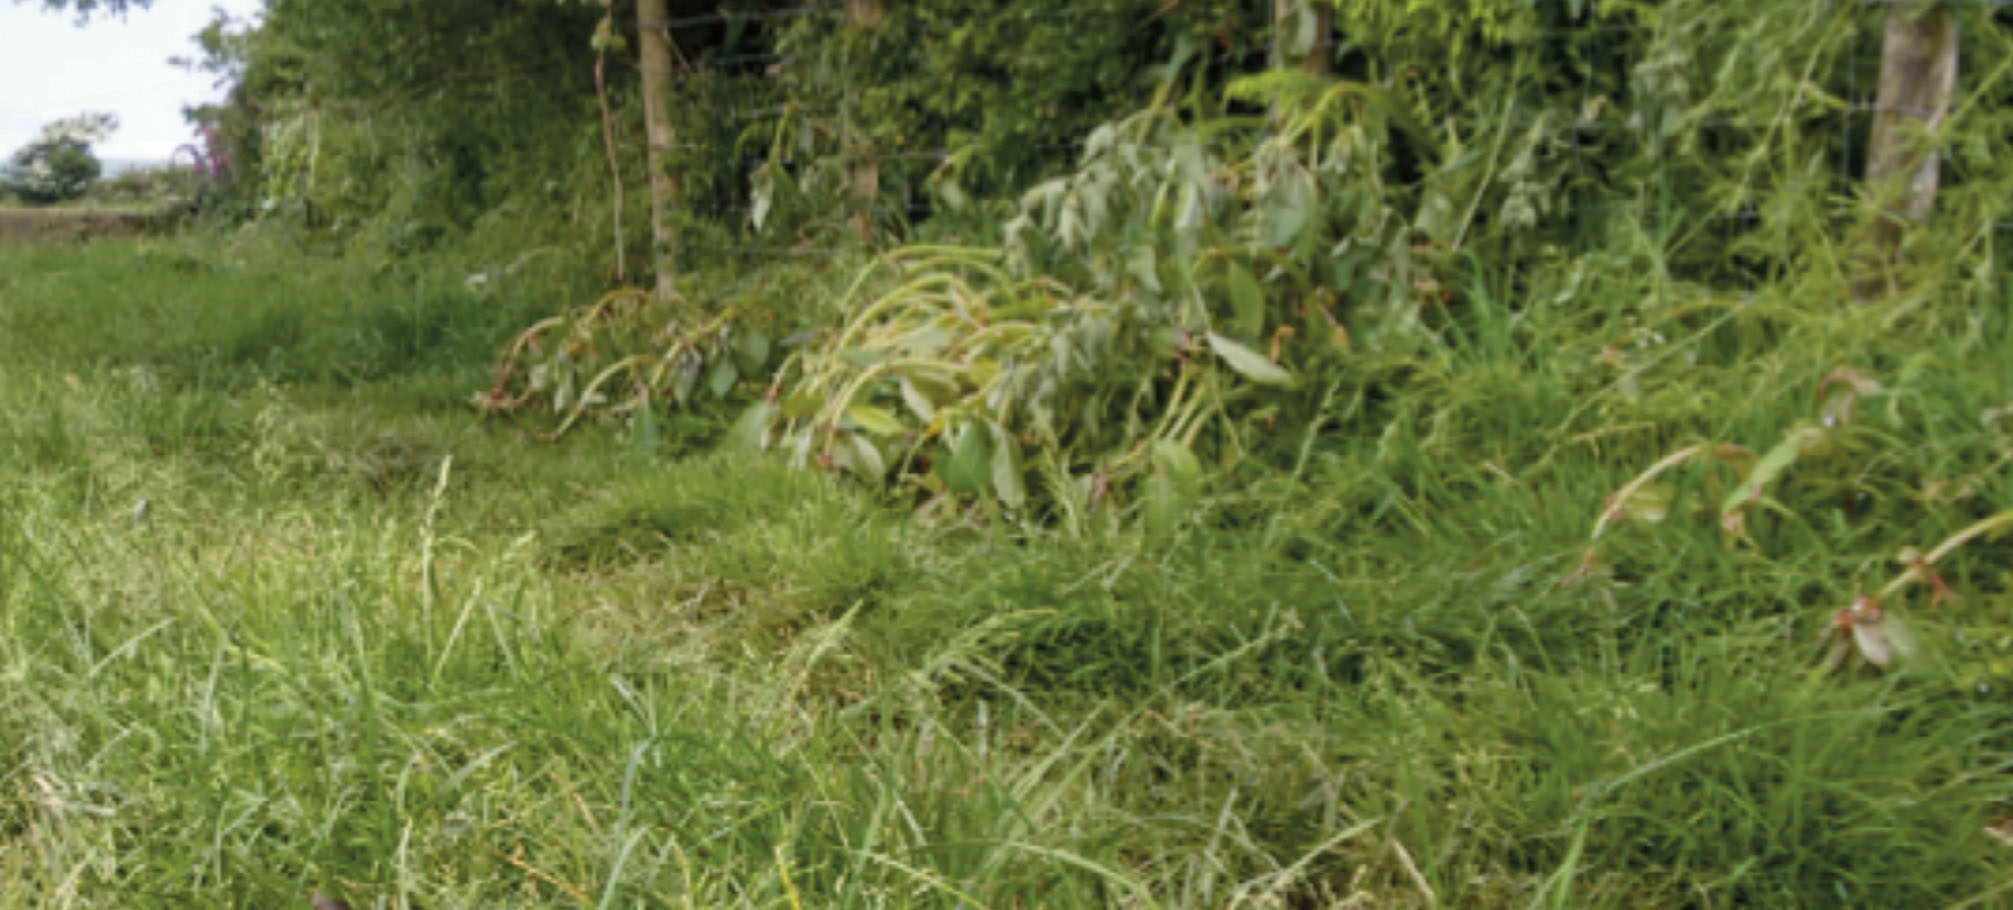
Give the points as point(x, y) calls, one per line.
point(1850, 125)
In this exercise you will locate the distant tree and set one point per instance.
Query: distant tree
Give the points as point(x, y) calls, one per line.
point(58, 165)
point(85, 8)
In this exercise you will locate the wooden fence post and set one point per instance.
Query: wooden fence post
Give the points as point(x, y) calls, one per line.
point(863, 169)
point(1918, 72)
point(653, 30)
point(1321, 50)
point(1320, 43)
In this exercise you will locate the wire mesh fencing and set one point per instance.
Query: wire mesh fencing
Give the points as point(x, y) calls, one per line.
point(736, 214)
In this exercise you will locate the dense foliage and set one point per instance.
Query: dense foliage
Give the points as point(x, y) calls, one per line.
point(400, 122)
point(1142, 313)
point(1145, 245)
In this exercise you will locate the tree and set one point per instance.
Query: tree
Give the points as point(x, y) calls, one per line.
point(85, 8)
point(58, 165)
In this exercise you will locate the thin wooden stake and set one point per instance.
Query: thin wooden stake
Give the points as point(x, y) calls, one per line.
point(608, 143)
point(654, 57)
point(1918, 72)
point(864, 172)
point(1321, 51)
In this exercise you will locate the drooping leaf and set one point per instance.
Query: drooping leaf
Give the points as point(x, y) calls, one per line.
point(965, 469)
point(875, 420)
point(763, 195)
point(1285, 212)
point(685, 377)
point(918, 403)
point(1649, 502)
point(937, 384)
point(857, 454)
point(749, 434)
point(720, 380)
point(1160, 506)
point(1251, 364)
point(1008, 484)
point(861, 357)
point(643, 427)
point(1247, 301)
point(1178, 463)
point(752, 351)
point(1772, 465)
point(1144, 267)
point(562, 397)
point(802, 405)
point(1172, 490)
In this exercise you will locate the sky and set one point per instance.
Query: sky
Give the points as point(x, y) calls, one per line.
point(52, 68)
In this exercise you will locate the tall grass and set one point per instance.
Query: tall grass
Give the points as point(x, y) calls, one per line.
point(277, 614)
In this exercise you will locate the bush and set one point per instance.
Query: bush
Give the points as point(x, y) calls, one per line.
point(58, 166)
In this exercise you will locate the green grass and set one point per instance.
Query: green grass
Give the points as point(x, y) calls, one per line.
point(356, 641)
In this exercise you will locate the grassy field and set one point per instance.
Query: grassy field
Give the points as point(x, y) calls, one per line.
point(279, 614)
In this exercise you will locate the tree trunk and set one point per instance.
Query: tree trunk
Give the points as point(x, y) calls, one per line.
point(1918, 71)
point(653, 29)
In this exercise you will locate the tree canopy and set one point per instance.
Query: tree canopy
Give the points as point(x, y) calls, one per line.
point(87, 8)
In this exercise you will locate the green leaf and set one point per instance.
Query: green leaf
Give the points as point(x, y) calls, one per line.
point(685, 375)
point(1178, 464)
point(752, 350)
point(1171, 493)
point(1306, 31)
point(917, 401)
point(875, 420)
point(1006, 469)
point(965, 465)
point(722, 377)
point(802, 405)
point(858, 454)
point(939, 386)
point(1160, 506)
point(762, 194)
point(643, 427)
point(861, 357)
point(1771, 466)
point(748, 434)
point(1650, 502)
point(562, 397)
point(1141, 264)
point(1248, 362)
point(1286, 211)
point(1247, 301)
point(951, 195)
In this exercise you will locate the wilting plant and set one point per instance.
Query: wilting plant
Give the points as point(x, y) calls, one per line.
point(622, 356)
point(1147, 314)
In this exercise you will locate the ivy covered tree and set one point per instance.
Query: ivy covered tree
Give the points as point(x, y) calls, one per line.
point(58, 166)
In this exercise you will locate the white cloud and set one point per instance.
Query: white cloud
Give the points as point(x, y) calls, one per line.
point(52, 68)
